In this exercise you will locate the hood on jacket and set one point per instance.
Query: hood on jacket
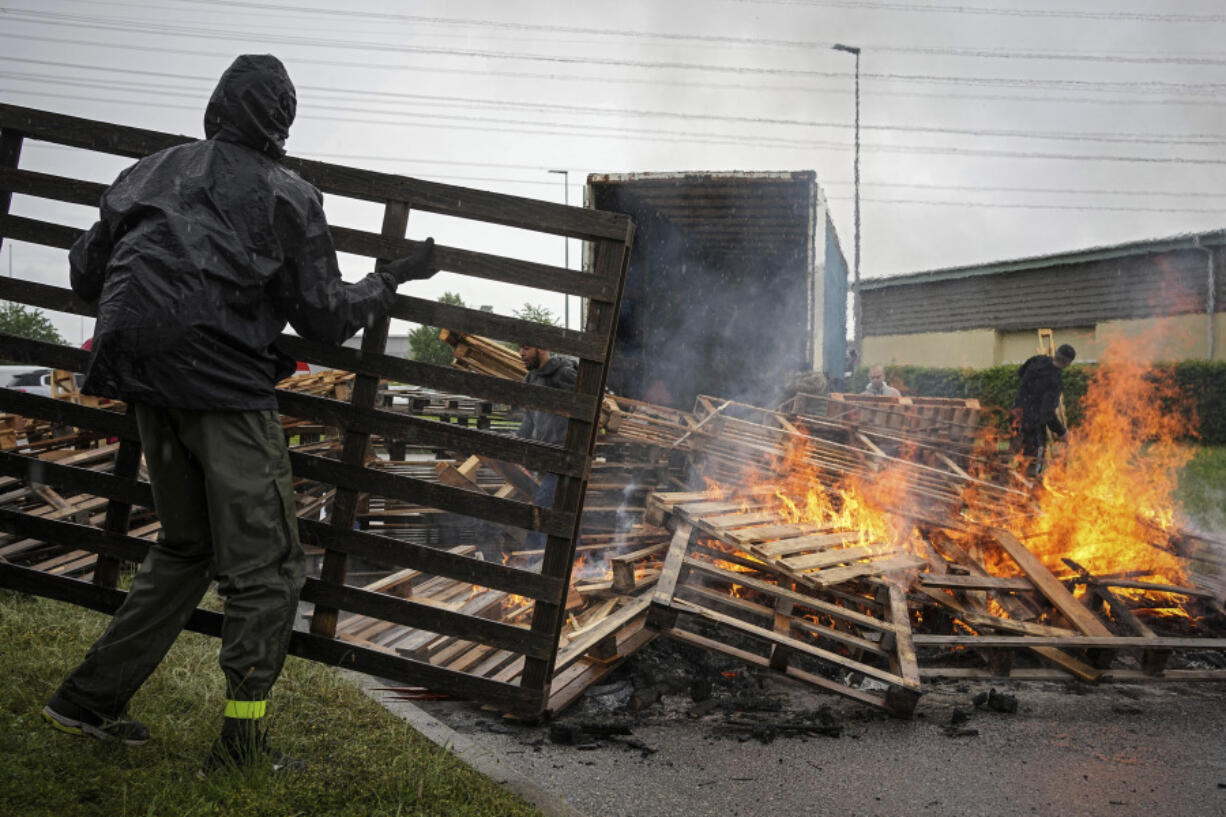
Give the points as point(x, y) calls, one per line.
point(254, 105)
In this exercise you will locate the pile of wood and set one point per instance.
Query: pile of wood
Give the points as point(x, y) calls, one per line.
point(474, 353)
point(685, 535)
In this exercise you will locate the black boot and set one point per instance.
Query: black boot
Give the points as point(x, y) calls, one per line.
point(244, 744)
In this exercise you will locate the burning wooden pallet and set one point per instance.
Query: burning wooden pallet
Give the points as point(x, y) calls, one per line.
point(831, 597)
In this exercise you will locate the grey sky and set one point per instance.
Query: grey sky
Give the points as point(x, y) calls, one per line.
point(990, 128)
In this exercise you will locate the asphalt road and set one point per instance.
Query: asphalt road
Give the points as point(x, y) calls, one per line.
point(1156, 750)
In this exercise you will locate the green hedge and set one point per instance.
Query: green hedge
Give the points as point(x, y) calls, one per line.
point(1201, 385)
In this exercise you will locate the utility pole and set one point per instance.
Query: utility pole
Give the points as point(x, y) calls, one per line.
point(855, 286)
point(565, 244)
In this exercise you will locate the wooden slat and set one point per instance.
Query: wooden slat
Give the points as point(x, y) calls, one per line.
point(610, 262)
point(367, 185)
point(329, 651)
point(1080, 642)
point(1051, 587)
point(760, 661)
point(392, 425)
point(431, 495)
point(798, 646)
point(411, 613)
point(356, 441)
point(479, 265)
point(442, 378)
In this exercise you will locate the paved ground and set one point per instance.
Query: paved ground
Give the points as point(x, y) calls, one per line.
point(1119, 751)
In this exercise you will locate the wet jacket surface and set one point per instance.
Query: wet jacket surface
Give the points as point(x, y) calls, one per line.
point(1038, 394)
point(205, 251)
point(557, 373)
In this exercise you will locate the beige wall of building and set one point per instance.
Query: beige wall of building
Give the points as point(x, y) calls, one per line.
point(974, 349)
point(1180, 337)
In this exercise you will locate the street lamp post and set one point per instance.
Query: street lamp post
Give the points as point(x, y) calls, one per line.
point(855, 285)
point(566, 244)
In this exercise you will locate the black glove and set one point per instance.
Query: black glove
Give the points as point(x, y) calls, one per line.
point(416, 266)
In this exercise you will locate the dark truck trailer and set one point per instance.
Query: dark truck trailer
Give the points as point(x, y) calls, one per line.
point(736, 282)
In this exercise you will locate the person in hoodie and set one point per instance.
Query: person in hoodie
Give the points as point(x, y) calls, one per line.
point(1038, 398)
point(556, 372)
point(202, 255)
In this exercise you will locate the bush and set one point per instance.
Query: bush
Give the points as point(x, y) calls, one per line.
point(1200, 385)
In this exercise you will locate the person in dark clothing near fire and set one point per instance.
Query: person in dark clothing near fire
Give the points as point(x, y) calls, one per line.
point(556, 372)
point(203, 253)
point(1038, 398)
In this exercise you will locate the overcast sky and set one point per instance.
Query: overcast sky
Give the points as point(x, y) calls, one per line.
point(990, 129)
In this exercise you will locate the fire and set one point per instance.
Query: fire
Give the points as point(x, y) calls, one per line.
point(855, 505)
point(1109, 490)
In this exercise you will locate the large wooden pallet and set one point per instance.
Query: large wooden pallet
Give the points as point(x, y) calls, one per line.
point(732, 567)
point(359, 418)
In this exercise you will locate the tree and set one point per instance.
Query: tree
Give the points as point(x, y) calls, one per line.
point(540, 314)
point(28, 322)
point(424, 344)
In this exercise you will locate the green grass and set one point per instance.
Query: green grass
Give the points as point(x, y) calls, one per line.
point(361, 760)
point(1202, 488)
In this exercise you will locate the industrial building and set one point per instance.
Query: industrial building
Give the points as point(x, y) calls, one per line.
point(1167, 293)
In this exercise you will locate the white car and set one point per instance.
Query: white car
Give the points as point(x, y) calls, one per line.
point(31, 381)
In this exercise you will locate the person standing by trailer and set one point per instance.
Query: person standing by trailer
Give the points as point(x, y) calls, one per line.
point(556, 372)
point(1035, 408)
point(202, 254)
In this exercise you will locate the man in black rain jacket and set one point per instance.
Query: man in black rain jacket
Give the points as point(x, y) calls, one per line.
point(1038, 397)
point(202, 254)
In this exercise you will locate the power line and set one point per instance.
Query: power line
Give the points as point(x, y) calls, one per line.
point(324, 156)
point(502, 104)
point(550, 129)
point(350, 14)
point(138, 26)
point(756, 88)
point(1124, 16)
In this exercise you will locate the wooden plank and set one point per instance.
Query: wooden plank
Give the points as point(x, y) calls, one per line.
point(835, 556)
point(819, 605)
point(356, 442)
point(393, 425)
point(798, 646)
point(431, 495)
point(838, 575)
point(443, 378)
point(666, 586)
point(610, 260)
point(769, 533)
point(784, 547)
point(1051, 587)
point(10, 157)
point(906, 664)
point(479, 265)
point(1080, 642)
point(432, 560)
point(780, 615)
point(367, 185)
point(573, 651)
point(757, 660)
point(954, 581)
point(424, 616)
point(735, 521)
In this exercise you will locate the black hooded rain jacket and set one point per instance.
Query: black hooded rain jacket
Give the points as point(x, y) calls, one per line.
point(1038, 395)
point(205, 251)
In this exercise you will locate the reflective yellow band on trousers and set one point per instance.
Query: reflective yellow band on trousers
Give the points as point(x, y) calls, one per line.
point(245, 709)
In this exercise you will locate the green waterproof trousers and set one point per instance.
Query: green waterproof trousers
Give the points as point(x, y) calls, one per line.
point(224, 493)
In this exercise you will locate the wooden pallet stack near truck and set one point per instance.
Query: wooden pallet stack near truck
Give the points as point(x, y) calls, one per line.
point(608, 237)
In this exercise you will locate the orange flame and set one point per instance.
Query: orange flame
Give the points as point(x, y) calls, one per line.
point(1108, 494)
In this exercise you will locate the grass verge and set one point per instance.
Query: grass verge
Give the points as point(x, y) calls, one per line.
point(1202, 488)
point(361, 759)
